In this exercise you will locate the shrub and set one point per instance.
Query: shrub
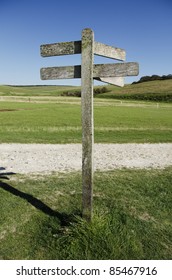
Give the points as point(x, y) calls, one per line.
point(71, 93)
point(96, 91)
point(153, 78)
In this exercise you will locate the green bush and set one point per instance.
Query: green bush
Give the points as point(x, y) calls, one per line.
point(153, 78)
point(96, 91)
point(147, 97)
point(71, 93)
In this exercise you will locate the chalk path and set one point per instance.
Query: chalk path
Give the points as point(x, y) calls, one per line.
point(46, 158)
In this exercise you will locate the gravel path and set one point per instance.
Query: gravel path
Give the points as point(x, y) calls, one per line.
point(45, 158)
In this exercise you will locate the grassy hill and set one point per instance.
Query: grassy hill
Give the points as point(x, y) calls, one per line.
point(7, 90)
point(152, 91)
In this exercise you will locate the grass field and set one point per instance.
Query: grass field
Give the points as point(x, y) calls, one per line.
point(151, 91)
point(37, 114)
point(58, 120)
point(41, 216)
point(156, 88)
point(33, 90)
point(132, 216)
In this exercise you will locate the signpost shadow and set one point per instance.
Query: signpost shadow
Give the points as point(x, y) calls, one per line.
point(64, 218)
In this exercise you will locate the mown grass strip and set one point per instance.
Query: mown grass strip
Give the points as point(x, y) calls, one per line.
point(29, 122)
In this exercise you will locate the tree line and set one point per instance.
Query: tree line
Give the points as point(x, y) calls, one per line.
point(153, 78)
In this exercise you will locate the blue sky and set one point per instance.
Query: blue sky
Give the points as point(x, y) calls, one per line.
point(142, 28)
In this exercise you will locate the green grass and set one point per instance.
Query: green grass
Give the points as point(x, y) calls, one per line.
point(34, 90)
point(39, 115)
point(154, 90)
point(158, 91)
point(40, 216)
point(152, 87)
point(59, 121)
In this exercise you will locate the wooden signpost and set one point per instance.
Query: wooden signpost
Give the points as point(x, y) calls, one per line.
point(87, 71)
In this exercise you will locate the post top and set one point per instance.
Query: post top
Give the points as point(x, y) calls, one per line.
point(87, 30)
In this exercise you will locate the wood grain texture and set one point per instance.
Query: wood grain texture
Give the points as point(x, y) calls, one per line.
point(64, 72)
point(116, 70)
point(108, 51)
point(99, 70)
point(74, 47)
point(87, 122)
point(63, 48)
point(116, 81)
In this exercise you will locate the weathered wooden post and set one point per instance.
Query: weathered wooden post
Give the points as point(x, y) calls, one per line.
point(87, 121)
point(87, 71)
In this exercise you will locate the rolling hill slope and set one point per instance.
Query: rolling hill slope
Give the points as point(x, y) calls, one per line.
point(152, 91)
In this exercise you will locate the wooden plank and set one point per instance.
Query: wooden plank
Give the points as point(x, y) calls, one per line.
point(116, 81)
point(64, 72)
point(63, 48)
point(74, 47)
point(116, 70)
point(99, 70)
point(108, 51)
point(87, 122)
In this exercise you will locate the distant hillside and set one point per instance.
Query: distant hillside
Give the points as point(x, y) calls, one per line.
point(157, 90)
point(35, 90)
point(153, 78)
point(38, 86)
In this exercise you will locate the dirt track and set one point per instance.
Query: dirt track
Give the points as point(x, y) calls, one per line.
point(46, 158)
